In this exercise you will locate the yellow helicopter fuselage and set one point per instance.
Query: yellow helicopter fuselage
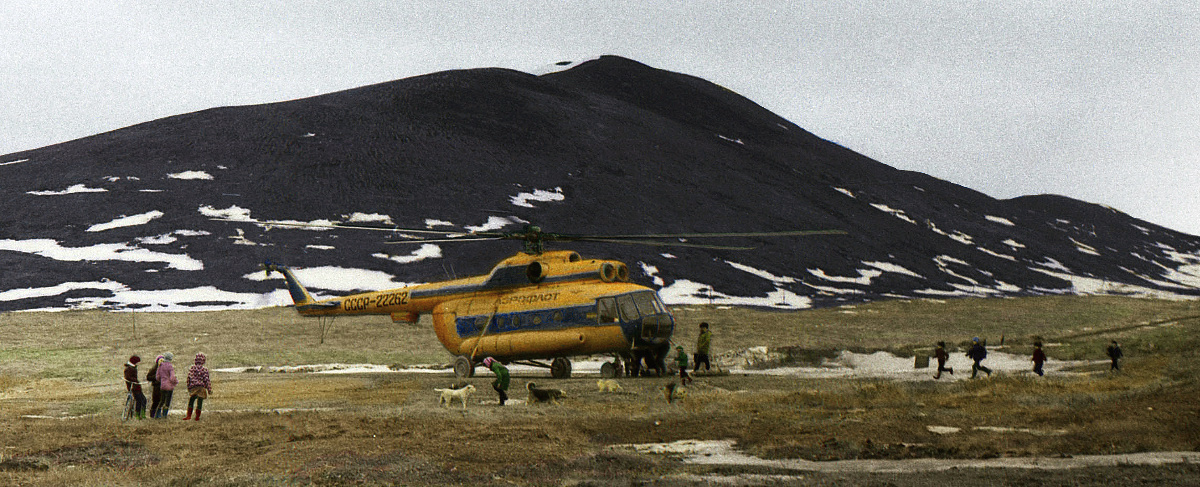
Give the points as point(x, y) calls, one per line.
point(530, 306)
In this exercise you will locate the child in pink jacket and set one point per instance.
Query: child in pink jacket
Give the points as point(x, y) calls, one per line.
point(167, 382)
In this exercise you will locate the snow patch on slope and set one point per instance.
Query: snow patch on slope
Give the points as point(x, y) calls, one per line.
point(126, 221)
point(78, 188)
point(100, 252)
point(190, 175)
point(524, 199)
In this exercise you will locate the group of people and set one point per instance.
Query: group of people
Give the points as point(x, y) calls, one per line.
point(978, 352)
point(703, 347)
point(162, 380)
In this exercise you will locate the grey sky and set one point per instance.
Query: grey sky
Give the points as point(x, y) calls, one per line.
point(1095, 100)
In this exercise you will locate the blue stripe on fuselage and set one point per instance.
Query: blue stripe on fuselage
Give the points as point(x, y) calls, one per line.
point(527, 320)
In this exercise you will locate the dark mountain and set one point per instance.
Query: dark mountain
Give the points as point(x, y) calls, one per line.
point(609, 146)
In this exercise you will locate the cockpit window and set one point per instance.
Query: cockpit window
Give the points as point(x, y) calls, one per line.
point(648, 303)
point(629, 311)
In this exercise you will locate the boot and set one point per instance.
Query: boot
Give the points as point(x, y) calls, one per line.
point(189, 414)
point(197, 415)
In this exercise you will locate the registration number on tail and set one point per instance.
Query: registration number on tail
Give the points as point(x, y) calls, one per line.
point(376, 301)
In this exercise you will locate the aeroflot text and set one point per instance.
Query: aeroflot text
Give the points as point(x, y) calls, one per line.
point(529, 298)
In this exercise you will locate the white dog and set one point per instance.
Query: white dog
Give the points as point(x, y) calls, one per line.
point(609, 385)
point(448, 395)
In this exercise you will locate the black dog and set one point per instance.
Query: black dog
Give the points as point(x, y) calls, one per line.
point(537, 394)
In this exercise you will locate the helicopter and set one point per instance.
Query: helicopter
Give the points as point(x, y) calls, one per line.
point(535, 305)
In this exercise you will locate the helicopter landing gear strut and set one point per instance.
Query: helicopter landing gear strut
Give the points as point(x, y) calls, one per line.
point(463, 367)
point(560, 368)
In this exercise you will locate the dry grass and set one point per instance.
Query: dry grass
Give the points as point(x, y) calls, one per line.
point(286, 429)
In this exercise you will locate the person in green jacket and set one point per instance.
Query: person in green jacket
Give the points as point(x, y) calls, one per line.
point(501, 382)
point(703, 344)
point(682, 361)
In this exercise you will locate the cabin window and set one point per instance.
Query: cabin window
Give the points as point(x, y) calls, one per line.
point(606, 309)
point(557, 316)
point(537, 319)
point(481, 322)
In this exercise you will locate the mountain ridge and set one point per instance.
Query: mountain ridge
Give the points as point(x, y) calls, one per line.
point(611, 145)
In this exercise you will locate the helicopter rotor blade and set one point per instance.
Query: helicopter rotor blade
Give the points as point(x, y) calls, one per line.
point(792, 233)
point(661, 244)
point(466, 238)
point(334, 226)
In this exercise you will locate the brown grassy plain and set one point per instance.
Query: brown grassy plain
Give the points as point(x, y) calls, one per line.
point(381, 429)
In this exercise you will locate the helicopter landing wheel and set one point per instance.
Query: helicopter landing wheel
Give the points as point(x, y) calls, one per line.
point(463, 367)
point(560, 368)
point(609, 370)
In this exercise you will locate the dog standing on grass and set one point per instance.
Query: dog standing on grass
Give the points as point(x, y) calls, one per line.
point(673, 391)
point(449, 395)
point(537, 394)
point(609, 385)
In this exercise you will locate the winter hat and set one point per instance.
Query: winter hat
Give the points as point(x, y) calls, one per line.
point(487, 362)
point(200, 358)
point(135, 359)
point(975, 340)
point(168, 356)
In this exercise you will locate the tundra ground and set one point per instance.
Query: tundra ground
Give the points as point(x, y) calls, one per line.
point(60, 391)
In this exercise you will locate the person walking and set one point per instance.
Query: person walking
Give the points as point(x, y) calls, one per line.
point(977, 354)
point(681, 360)
point(155, 389)
point(135, 387)
point(501, 382)
point(167, 381)
point(940, 354)
point(199, 386)
point(703, 345)
point(1115, 354)
point(1039, 358)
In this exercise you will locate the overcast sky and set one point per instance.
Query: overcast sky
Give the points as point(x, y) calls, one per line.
point(1098, 101)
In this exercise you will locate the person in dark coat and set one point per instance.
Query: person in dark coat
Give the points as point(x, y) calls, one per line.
point(1039, 358)
point(703, 347)
point(977, 354)
point(1114, 353)
point(135, 387)
point(155, 388)
point(940, 354)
